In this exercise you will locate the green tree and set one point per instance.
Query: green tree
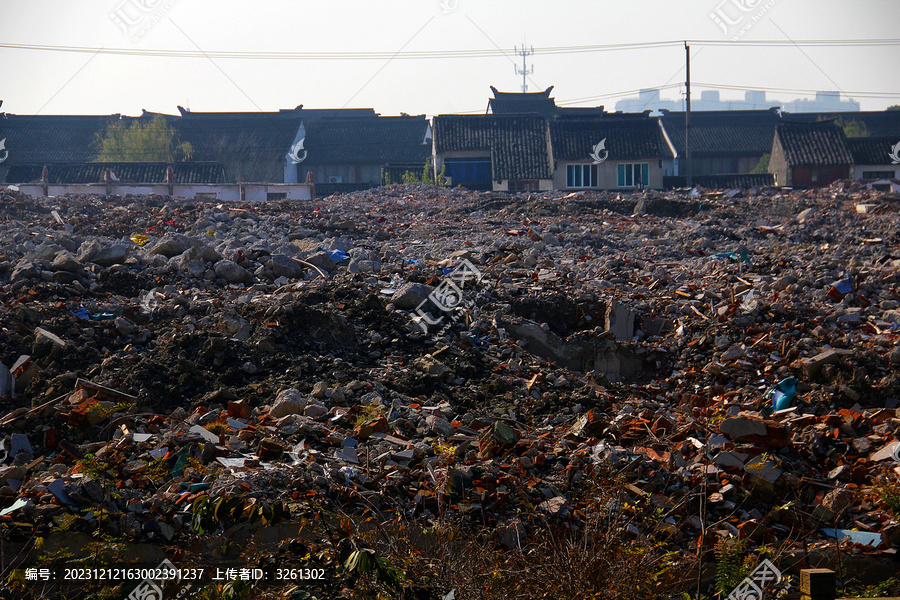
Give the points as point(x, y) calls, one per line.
point(852, 128)
point(153, 141)
point(894, 107)
point(427, 175)
point(763, 165)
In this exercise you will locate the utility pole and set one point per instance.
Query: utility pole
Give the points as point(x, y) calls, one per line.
point(687, 116)
point(525, 72)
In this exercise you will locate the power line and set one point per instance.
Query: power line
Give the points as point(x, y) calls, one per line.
point(615, 94)
point(499, 49)
point(585, 99)
point(442, 54)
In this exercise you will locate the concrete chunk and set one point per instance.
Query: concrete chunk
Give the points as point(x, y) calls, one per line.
point(891, 451)
point(764, 469)
point(410, 295)
point(42, 334)
point(730, 459)
point(743, 427)
point(620, 320)
point(288, 402)
point(812, 366)
point(439, 425)
point(7, 383)
point(232, 272)
point(553, 505)
point(172, 244)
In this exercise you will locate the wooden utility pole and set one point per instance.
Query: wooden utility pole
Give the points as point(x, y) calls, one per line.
point(687, 117)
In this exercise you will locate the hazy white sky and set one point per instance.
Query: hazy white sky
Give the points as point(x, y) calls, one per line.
point(52, 82)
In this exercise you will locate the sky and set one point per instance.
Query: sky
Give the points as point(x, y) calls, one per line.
point(404, 55)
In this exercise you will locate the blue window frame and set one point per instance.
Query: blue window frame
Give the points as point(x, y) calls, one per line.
point(632, 174)
point(581, 176)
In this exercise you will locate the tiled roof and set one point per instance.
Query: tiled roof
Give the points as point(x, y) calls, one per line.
point(813, 144)
point(126, 172)
point(872, 150)
point(517, 144)
point(374, 140)
point(252, 146)
point(308, 114)
point(723, 133)
point(52, 139)
point(511, 103)
point(734, 181)
point(582, 111)
point(268, 134)
point(630, 137)
point(311, 114)
point(877, 123)
point(535, 103)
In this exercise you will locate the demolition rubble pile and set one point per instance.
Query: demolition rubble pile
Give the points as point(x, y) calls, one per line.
point(730, 357)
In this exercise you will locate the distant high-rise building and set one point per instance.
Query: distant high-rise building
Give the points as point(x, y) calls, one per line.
point(824, 102)
point(757, 99)
point(649, 99)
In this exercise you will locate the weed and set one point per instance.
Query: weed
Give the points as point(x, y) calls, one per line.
point(733, 564)
point(889, 492)
point(884, 589)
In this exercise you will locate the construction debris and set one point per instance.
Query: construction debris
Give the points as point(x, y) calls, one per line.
point(170, 353)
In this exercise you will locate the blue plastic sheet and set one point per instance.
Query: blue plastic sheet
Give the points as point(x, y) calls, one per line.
point(82, 313)
point(841, 288)
point(734, 256)
point(844, 286)
point(857, 537)
point(782, 394)
point(338, 255)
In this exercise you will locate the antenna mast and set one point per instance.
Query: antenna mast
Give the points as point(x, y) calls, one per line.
point(525, 71)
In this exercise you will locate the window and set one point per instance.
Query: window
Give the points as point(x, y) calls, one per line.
point(633, 174)
point(878, 174)
point(581, 176)
point(469, 170)
point(524, 185)
point(276, 196)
